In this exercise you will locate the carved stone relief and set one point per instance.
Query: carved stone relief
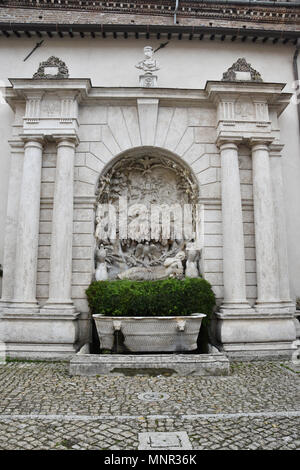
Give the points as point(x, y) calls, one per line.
point(50, 106)
point(244, 109)
point(156, 200)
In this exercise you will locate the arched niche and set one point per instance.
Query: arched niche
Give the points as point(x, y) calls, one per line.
point(146, 217)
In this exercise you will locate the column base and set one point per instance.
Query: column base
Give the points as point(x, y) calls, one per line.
point(32, 335)
point(281, 351)
point(255, 335)
point(58, 307)
point(14, 306)
point(4, 304)
point(275, 307)
point(236, 308)
point(41, 352)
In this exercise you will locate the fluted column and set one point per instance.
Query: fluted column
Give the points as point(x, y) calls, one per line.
point(60, 281)
point(233, 235)
point(265, 230)
point(28, 227)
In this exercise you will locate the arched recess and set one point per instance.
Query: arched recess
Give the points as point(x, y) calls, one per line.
point(146, 213)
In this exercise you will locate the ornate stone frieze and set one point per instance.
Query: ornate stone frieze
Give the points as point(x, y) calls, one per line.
point(241, 70)
point(52, 68)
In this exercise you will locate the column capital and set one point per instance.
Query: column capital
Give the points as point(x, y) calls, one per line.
point(66, 140)
point(34, 140)
point(228, 142)
point(38, 144)
point(261, 143)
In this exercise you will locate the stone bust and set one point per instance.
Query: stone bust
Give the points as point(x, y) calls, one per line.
point(148, 65)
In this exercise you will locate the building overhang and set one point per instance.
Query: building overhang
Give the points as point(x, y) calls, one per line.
point(193, 19)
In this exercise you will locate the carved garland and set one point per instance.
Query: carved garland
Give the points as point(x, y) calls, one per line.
point(241, 65)
point(63, 71)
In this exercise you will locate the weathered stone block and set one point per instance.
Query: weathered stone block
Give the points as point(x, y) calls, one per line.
point(256, 336)
point(39, 336)
point(210, 175)
point(193, 154)
point(213, 228)
point(187, 364)
point(90, 133)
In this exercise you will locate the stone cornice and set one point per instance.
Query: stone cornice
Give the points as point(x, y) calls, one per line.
point(212, 93)
point(22, 88)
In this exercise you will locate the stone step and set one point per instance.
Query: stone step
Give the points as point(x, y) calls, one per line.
point(149, 364)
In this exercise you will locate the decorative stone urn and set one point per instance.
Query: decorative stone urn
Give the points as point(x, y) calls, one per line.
point(151, 334)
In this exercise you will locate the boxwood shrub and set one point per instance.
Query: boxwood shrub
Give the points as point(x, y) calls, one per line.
point(169, 297)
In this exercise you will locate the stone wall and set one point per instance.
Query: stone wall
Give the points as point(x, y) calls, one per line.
point(105, 132)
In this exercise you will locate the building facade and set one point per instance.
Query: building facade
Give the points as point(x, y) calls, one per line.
point(214, 100)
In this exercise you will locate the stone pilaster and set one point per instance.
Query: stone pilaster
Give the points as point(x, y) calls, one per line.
point(28, 227)
point(11, 229)
point(60, 282)
point(233, 235)
point(280, 226)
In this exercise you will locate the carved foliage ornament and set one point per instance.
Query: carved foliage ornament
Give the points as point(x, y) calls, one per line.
point(53, 68)
point(241, 65)
point(122, 175)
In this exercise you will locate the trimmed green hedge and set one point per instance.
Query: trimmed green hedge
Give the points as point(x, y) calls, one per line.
point(170, 297)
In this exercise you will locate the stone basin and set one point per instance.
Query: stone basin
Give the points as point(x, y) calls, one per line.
point(151, 334)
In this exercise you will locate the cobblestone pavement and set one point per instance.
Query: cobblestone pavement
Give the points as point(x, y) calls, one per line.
point(43, 407)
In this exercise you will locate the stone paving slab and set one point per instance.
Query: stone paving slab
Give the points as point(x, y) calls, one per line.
point(256, 406)
point(243, 433)
point(47, 388)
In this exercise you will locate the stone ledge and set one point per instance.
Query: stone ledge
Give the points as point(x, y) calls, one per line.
point(118, 364)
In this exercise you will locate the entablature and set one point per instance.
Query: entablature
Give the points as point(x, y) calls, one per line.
point(243, 107)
